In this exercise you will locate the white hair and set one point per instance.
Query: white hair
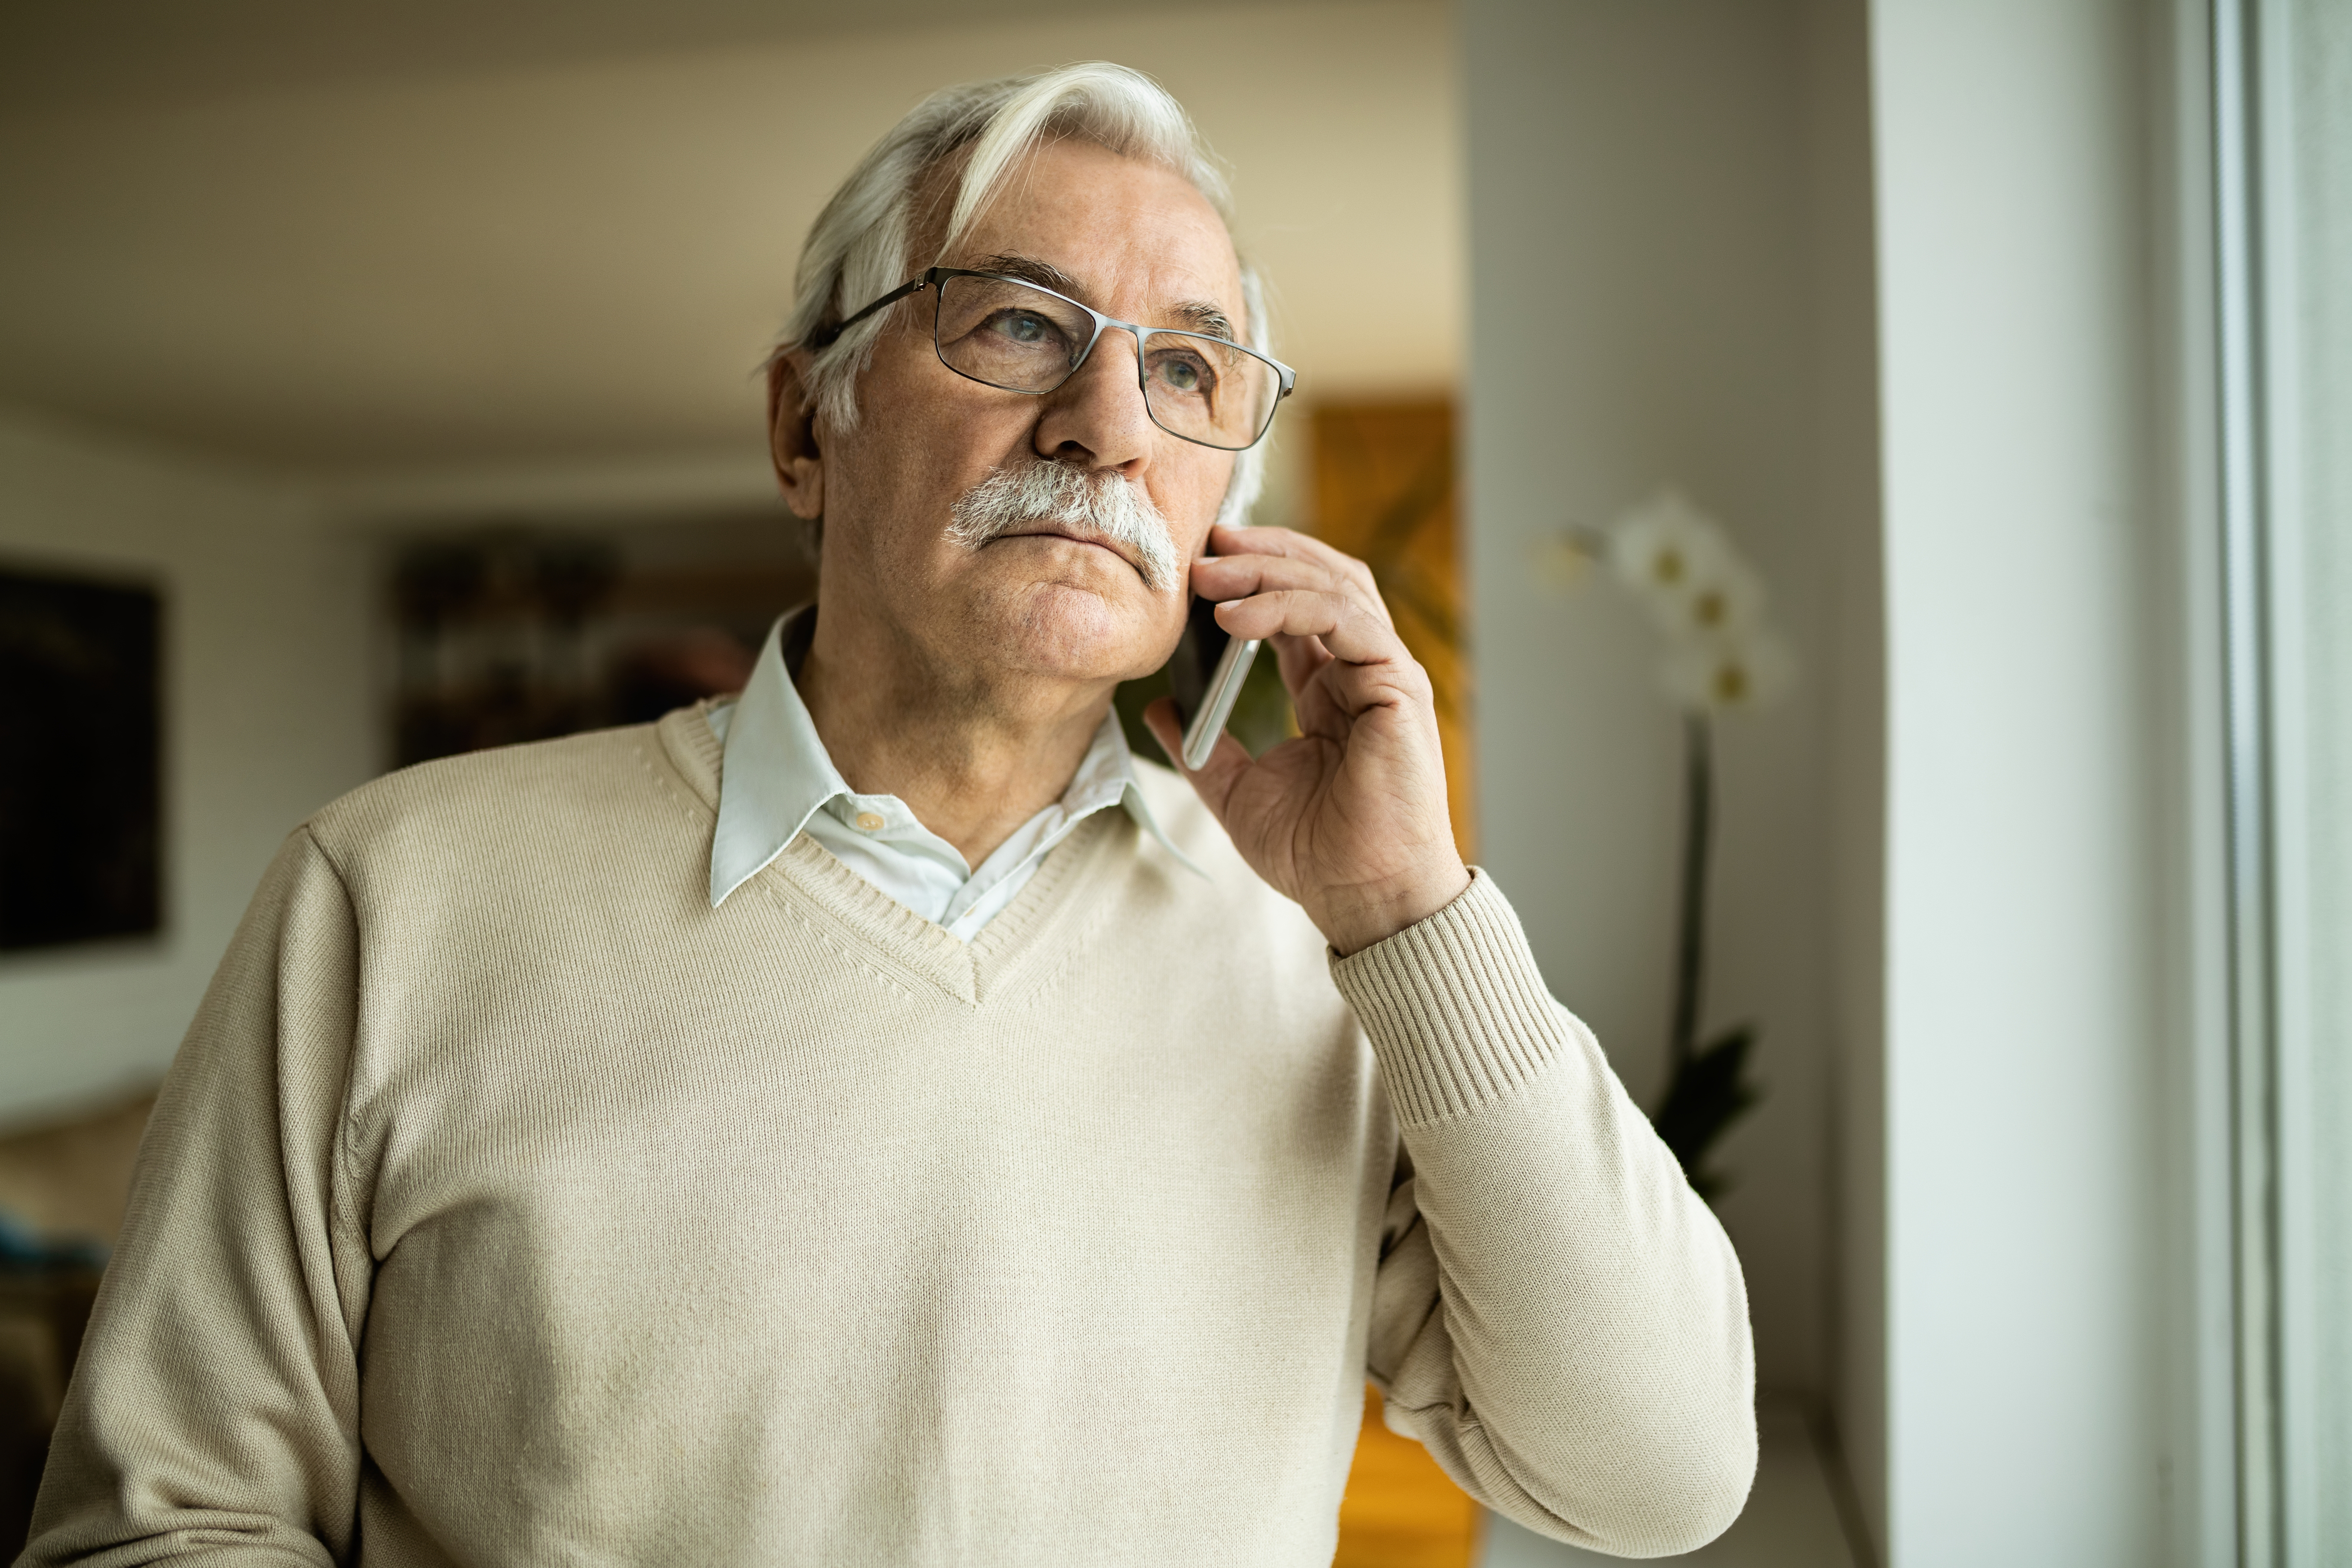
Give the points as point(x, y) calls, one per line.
point(1101, 503)
point(857, 249)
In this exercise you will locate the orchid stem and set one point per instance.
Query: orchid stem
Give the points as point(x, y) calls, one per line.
point(1699, 832)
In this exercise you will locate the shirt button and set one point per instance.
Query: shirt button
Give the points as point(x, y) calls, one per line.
point(868, 822)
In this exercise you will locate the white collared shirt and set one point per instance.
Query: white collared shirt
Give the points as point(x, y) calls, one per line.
point(779, 781)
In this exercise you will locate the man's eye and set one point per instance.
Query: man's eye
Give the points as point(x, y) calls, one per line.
point(1023, 328)
point(1184, 374)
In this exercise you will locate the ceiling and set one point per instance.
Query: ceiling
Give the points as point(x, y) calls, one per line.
point(377, 238)
point(84, 54)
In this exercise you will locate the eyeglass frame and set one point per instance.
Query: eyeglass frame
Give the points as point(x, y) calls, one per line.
point(936, 278)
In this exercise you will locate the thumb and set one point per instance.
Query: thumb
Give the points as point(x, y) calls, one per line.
point(1215, 780)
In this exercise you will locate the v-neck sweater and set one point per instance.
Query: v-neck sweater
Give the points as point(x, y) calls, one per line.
point(509, 1203)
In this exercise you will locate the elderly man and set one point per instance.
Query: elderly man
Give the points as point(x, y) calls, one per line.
point(874, 1120)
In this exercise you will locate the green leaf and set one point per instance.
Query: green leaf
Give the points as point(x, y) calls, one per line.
point(1710, 1093)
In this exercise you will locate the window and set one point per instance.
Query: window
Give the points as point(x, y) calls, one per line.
point(2284, 121)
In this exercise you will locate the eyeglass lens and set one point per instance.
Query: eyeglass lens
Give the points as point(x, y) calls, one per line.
point(1026, 340)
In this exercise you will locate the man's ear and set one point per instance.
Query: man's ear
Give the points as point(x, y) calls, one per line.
point(792, 436)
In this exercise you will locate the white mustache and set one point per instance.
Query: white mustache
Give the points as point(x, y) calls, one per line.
point(1011, 500)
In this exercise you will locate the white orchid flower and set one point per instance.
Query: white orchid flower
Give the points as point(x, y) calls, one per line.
point(1726, 601)
point(1665, 548)
point(1716, 675)
point(1710, 603)
point(1567, 558)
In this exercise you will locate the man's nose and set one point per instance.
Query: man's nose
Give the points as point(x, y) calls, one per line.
point(1097, 416)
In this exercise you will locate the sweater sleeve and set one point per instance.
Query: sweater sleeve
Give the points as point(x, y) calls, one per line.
point(1556, 1317)
point(214, 1413)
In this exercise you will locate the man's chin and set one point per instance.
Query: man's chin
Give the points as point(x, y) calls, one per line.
point(1078, 631)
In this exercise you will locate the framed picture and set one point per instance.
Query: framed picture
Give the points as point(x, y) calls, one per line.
point(80, 760)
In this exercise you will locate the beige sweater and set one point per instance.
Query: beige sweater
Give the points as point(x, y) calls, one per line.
point(507, 1204)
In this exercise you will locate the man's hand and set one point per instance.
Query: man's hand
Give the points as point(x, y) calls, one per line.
point(1349, 819)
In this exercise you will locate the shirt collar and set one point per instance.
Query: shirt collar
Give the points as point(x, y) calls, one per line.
point(775, 774)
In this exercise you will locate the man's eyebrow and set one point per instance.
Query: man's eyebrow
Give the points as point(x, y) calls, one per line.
point(1029, 269)
point(1205, 319)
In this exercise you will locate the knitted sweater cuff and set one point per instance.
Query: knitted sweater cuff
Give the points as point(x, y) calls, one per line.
point(1458, 1013)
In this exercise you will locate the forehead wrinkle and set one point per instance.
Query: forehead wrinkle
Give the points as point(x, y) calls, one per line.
point(1031, 269)
point(1195, 315)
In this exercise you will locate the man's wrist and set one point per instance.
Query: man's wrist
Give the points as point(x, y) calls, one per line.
point(1359, 917)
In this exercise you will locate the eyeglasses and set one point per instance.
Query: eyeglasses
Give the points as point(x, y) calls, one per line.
point(1002, 332)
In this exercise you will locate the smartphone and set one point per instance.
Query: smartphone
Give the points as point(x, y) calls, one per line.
point(1206, 677)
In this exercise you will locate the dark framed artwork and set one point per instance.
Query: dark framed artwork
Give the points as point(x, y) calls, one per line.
point(80, 760)
point(516, 632)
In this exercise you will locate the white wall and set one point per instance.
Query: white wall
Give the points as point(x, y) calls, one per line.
point(266, 717)
point(1645, 226)
point(2022, 1357)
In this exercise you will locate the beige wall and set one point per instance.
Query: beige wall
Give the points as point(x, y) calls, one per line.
point(267, 716)
point(1844, 285)
point(1649, 214)
point(578, 260)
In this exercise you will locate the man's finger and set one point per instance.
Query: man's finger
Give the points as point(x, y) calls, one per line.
point(1289, 542)
point(1222, 577)
point(1229, 542)
point(1299, 658)
point(1215, 780)
point(1354, 689)
point(1352, 631)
